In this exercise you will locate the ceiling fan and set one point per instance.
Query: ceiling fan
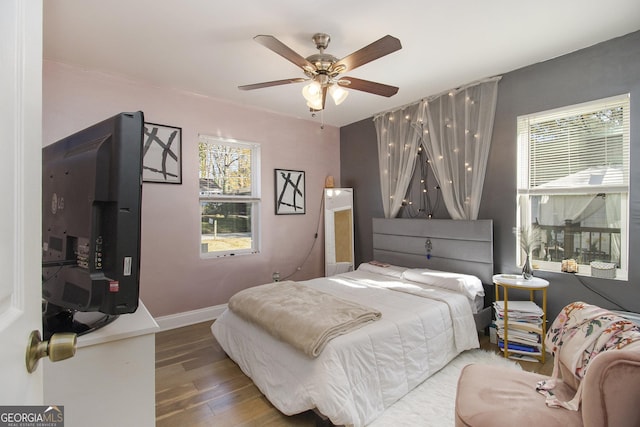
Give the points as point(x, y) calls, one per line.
point(324, 70)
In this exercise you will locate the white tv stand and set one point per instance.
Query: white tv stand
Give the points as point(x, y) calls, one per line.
point(111, 379)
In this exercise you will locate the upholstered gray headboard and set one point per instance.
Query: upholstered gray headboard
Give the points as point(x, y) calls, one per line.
point(456, 245)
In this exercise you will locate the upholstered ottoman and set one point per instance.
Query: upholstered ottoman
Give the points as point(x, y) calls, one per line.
point(491, 396)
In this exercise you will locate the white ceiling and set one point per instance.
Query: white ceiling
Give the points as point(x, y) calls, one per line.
point(206, 46)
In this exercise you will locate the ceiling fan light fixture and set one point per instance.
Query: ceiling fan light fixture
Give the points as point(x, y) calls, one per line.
point(312, 92)
point(316, 104)
point(338, 94)
point(323, 70)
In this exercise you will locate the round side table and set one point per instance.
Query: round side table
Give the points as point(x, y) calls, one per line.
point(513, 281)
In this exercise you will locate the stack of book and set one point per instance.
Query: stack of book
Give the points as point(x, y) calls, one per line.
point(524, 333)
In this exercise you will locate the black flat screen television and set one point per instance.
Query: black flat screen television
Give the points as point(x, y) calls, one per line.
point(91, 216)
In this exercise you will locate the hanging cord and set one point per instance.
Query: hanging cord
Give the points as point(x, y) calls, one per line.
point(315, 239)
point(45, 279)
point(589, 287)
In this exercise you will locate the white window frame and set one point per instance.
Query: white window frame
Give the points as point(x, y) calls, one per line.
point(254, 198)
point(525, 190)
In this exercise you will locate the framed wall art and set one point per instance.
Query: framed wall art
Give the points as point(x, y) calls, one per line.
point(162, 154)
point(290, 192)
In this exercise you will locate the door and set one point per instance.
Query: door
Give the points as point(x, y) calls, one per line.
point(20, 186)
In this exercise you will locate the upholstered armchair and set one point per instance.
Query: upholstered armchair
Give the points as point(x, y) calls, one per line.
point(490, 396)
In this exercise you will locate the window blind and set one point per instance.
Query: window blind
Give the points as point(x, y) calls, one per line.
point(576, 148)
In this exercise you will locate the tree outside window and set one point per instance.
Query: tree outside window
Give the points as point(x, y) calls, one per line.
point(229, 196)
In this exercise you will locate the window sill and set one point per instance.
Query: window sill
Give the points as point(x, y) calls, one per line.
point(583, 270)
point(216, 255)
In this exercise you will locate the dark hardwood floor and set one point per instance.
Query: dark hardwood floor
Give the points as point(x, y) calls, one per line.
point(197, 385)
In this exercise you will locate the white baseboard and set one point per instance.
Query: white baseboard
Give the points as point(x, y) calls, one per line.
point(187, 318)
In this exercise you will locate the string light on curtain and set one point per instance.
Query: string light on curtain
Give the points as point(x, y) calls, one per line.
point(425, 208)
point(455, 129)
point(397, 147)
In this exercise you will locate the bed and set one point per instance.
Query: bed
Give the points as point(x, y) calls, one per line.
point(461, 246)
point(421, 328)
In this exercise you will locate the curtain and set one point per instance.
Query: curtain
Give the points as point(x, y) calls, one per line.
point(557, 209)
point(456, 134)
point(613, 205)
point(398, 142)
point(589, 210)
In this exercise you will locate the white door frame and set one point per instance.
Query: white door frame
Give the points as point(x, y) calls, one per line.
point(20, 187)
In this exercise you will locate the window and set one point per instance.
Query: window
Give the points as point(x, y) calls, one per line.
point(573, 184)
point(229, 197)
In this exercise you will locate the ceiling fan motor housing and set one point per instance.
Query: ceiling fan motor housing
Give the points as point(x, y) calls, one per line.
point(321, 40)
point(323, 62)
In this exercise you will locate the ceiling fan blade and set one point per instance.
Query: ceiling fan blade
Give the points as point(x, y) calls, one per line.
point(368, 86)
point(384, 46)
point(285, 51)
point(273, 83)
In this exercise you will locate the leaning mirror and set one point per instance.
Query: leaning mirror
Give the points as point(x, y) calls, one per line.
point(338, 230)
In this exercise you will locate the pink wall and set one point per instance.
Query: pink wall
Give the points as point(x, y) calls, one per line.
point(174, 278)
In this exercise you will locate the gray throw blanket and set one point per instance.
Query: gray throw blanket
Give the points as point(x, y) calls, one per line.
point(300, 315)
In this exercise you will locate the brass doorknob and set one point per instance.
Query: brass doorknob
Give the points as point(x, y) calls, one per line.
point(59, 347)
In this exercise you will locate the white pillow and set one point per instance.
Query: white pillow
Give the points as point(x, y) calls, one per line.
point(382, 269)
point(468, 285)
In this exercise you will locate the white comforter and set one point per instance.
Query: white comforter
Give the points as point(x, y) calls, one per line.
point(360, 374)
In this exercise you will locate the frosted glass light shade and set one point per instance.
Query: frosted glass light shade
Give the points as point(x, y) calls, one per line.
point(312, 92)
point(316, 104)
point(338, 94)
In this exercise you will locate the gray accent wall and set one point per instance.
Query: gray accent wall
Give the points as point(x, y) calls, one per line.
point(606, 69)
point(359, 170)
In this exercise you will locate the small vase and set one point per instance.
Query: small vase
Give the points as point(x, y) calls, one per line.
point(527, 270)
